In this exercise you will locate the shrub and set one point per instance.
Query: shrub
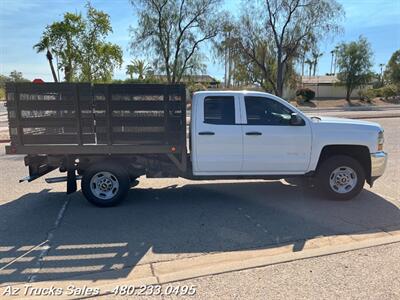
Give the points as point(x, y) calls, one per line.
point(306, 94)
point(364, 95)
point(196, 87)
point(385, 92)
point(388, 91)
point(2, 94)
point(367, 95)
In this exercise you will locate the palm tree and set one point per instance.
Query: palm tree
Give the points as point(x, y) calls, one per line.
point(44, 45)
point(315, 58)
point(138, 67)
point(381, 74)
point(130, 71)
point(310, 63)
point(336, 50)
point(333, 54)
point(304, 50)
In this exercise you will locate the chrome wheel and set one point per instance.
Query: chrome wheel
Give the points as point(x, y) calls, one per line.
point(343, 180)
point(104, 185)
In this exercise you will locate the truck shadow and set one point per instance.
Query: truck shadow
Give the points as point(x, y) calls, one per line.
point(172, 222)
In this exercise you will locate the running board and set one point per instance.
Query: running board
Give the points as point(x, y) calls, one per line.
point(29, 178)
point(60, 179)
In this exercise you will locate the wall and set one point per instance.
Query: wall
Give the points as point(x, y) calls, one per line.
point(333, 91)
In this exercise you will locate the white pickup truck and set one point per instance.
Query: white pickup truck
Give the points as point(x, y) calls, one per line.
point(233, 135)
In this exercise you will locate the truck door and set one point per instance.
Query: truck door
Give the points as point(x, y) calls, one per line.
point(271, 144)
point(217, 135)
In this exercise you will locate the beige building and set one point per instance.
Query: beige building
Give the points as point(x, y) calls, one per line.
point(328, 87)
point(206, 80)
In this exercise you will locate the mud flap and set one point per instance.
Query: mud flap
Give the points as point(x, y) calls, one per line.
point(71, 181)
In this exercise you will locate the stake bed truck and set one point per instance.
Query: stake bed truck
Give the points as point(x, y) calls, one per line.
point(108, 135)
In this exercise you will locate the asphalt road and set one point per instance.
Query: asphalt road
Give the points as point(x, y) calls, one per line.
point(45, 234)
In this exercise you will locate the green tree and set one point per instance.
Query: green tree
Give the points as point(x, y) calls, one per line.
point(392, 72)
point(97, 58)
point(292, 21)
point(80, 44)
point(286, 26)
point(354, 61)
point(139, 67)
point(172, 31)
point(253, 54)
point(16, 76)
point(64, 39)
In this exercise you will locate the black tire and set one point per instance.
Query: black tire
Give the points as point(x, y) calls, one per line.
point(119, 181)
point(326, 172)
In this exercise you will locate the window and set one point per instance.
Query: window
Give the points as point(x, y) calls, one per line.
point(264, 111)
point(219, 110)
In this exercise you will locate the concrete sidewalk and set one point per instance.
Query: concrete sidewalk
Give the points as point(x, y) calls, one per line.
point(395, 113)
point(351, 108)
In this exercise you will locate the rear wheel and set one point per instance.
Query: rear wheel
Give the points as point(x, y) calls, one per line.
point(105, 184)
point(341, 177)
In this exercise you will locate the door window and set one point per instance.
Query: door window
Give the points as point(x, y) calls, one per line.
point(264, 111)
point(219, 110)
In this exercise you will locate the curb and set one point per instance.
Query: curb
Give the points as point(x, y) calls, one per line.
point(218, 263)
point(348, 115)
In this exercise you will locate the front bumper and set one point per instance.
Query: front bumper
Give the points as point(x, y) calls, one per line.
point(378, 164)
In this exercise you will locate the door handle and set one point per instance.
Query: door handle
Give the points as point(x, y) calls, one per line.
point(206, 133)
point(253, 133)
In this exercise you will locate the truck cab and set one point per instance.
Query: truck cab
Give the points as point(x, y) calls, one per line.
point(248, 133)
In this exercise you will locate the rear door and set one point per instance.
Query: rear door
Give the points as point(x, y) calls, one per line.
point(271, 145)
point(217, 135)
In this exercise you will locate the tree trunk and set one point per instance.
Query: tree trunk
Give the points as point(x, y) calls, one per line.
point(226, 68)
point(50, 59)
point(348, 94)
point(279, 75)
point(68, 73)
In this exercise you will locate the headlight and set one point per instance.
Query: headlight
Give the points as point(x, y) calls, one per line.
point(381, 140)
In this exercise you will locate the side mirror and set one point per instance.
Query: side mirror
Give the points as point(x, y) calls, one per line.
point(296, 120)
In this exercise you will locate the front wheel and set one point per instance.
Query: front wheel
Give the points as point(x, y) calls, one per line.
point(105, 184)
point(341, 177)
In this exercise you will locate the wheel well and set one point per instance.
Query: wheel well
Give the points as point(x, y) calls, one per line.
point(122, 162)
point(360, 153)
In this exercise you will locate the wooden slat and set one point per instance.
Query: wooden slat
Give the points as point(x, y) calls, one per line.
point(48, 139)
point(138, 105)
point(52, 122)
point(46, 105)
